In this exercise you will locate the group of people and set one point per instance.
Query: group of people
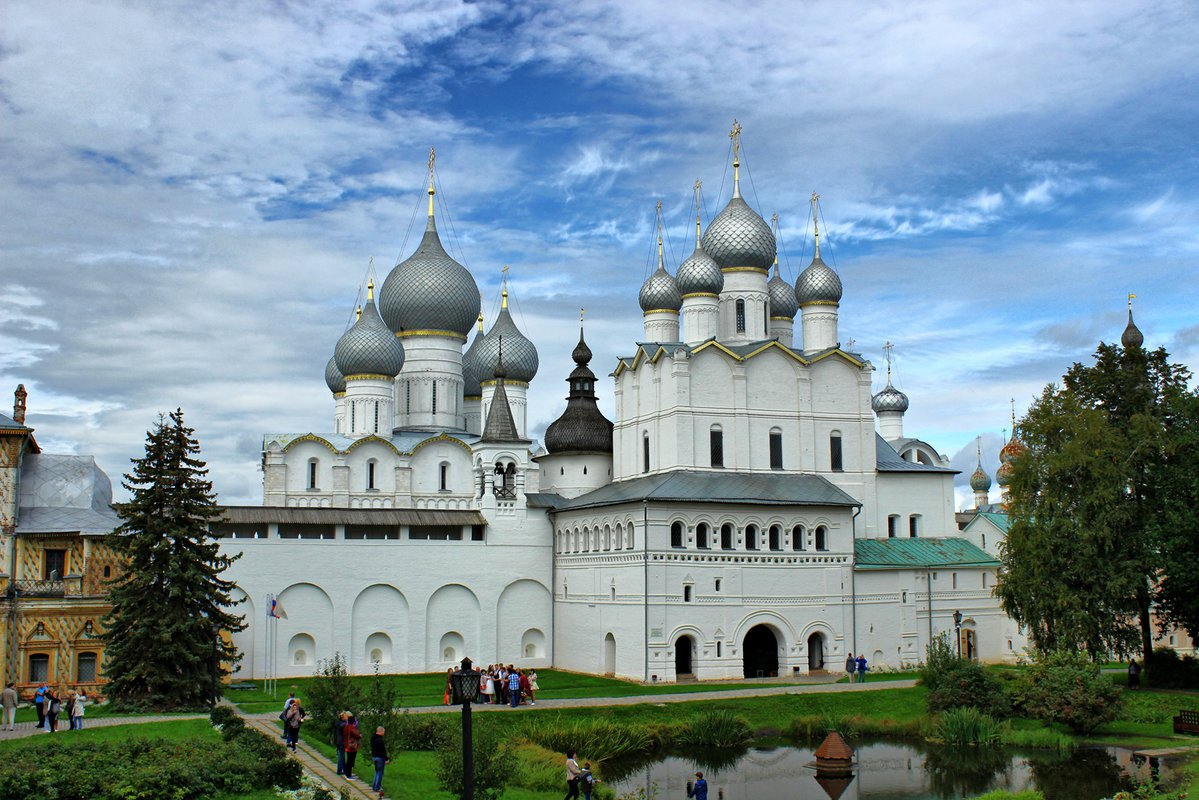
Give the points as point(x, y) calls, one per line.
point(856, 666)
point(578, 778)
point(500, 685)
point(347, 740)
point(50, 706)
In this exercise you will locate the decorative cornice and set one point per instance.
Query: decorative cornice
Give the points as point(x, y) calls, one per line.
point(441, 437)
point(338, 395)
point(819, 303)
point(507, 382)
point(311, 437)
point(368, 376)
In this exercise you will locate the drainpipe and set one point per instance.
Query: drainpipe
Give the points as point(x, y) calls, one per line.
point(853, 577)
point(553, 515)
point(645, 580)
point(928, 578)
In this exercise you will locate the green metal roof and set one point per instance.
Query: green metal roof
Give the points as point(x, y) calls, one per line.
point(719, 487)
point(998, 520)
point(919, 553)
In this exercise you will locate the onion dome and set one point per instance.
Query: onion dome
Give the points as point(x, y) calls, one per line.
point(782, 296)
point(738, 236)
point(1132, 336)
point(818, 284)
point(429, 291)
point(1003, 475)
point(660, 292)
point(890, 399)
point(699, 274)
point(1014, 447)
point(333, 377)
point(369, 347)
point(470, 364)
point(980, 481)
point(581, 428)
point(520, 356)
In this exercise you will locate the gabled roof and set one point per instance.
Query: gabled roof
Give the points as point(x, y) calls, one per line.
point(887, 459)
point(695, 486)
point(919, 553)
point(999, 520)
point(652, 351)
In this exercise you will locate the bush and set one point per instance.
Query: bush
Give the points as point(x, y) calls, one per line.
point(598, 740)
point(967, 726)
point(332, 692)
point(1165, 670)
point(421, 732)
point(953, 682)
point(716, 728)
point(492, 768)
point(220, 715)
point(1065, 686)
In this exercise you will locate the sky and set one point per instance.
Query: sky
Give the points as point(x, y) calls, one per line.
point(191, 194)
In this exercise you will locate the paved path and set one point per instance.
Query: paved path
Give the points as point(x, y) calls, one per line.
point(316, 764)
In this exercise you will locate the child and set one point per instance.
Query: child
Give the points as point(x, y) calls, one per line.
point(587, 781)
point(700, 790)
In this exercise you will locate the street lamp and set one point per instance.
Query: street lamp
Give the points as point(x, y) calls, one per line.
point(957, 627)
point(465, 683)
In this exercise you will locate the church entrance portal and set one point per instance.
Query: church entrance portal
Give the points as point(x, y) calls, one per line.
point(761, 653)
point(683, 649)
point(815, 652)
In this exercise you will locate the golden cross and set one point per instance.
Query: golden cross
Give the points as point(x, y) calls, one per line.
point(1013, 417)
point(581, 310)
point(735, 135)
point(888, 347)
point(432, 158)
point(1130, 299)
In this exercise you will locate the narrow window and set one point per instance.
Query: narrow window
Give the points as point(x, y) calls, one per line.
point(740, 316)
point(39, 668)
point(905, 596)
point(834, 451)
point(370, 474)
point(892, 526)
point(107, 571)
point(434, 397)
point(822, 538)
point(407, 398)
point(726, 536)
point(612, 590)
point(984, 541)
point(676, 535)
point(751, 537)
point(765, 319)
point(776, 535)
point(686, 594)
point(353, 417)
point(984, 580)
point(645, 452)
point(376, 416)
point(776, 449)
point(797, 537)
point(312, 474)
point(717, 584)
point(701, 536)
point(443, 478)
point(718, 649)
point(716, 443)
point(914, 526)
point(953, 581)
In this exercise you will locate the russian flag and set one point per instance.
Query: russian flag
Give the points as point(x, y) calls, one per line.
point(276, 609)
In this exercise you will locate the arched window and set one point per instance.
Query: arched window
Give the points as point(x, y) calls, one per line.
point(836, 464)
point(443, 476)
point(645, 452)
point(676, 534)
point(726, 536)
point(892, 526)
point(434, 397)
point(353, 415)
point(822, 538)
point(370, 474)
point(798, 534)
point(586, 540)
point(740, 316)
point(751, 537)
point(701, 536)
point(630, 539)
point(776, 535)
point(607, 537)
point(312, 467)
point(984, 541)
point(776, 449)
point(376, 416)
point(687, 593)
point(716, 446)
point(505, 480)
point(914, 526)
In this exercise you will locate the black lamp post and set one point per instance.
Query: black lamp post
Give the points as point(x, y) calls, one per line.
point(957, 627)
point(465, 683)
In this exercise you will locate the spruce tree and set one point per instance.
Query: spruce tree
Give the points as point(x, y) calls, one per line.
point(164, 648)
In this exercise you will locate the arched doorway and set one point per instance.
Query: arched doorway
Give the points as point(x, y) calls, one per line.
point(609, 655)
point(684, 647)
point(760, 653)
point(969, 641)
point(815, 652)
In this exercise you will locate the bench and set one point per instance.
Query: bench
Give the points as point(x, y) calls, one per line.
point(1187, 722)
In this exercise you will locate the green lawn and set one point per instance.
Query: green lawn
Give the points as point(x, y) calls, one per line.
point(91, 712)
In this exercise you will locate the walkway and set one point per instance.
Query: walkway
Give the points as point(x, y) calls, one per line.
point(318, 765)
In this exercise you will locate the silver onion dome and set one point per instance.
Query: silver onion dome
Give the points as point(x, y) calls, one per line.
point(980, 481)
point(699, 274)
point(369, 347)
point(890, 399)
point(660, 292)
point(818, 284)
point(520, 356)
point(1132, 336)
point(470, 365)
point(429, 291)
point(782, 297)
point(739, 237)
point(333, 377)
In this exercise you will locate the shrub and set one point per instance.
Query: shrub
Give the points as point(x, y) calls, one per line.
point(332, 692)
point(716, 728)
point(967, 726)
point(220, 715)
point(421, 732)
point(492, 768)
point(953, 682)
point(1165, 670)
point(1065, 686)
point(598, 740)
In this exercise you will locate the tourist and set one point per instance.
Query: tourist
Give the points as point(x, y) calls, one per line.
point(533, 687)
point(8, 700)
point(514, 687)
point(573, 774)
point(77, 709)
point(339, 740)
point(700, 790)
point(353, 739)
point(379, 758)
point(39, 702)
point(291, 698)
point(1134, 674)
point(587, 781)
point(526, 688)
point(487, 687)
point(861, 668)
point(53, 709)
point(291, 725)
point(851, 666)
point(449, 685)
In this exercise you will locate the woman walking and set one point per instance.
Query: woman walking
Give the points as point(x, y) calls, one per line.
point(573, 776)
point(353, 740)
point(291, 724)
point(77, 711)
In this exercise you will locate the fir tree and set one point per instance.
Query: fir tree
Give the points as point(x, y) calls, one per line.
point(164, 648)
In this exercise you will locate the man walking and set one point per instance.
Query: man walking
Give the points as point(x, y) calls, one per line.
point(851, 666)
point(514, 687)
point(379, 757)
point(8, 699)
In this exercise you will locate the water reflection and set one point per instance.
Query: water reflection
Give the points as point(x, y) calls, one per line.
point(886, 770)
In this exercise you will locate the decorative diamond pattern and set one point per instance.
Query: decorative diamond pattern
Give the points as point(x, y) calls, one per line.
point(818, 284)
point(520, 356)
point(738, 237)
point(470, 368)
point(980, 481)
point(890, 399)
point(369, 347)
point(333, 377)
point(782, 298)
point(699, 273)
point(660, 291)
point(430, 291)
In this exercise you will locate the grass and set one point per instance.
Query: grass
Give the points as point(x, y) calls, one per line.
point(29, 714)
point(877, 677)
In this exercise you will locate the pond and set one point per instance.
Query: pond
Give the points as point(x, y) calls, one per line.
point(890, 770)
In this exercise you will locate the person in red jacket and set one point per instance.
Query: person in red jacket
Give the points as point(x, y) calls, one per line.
point(352, 738)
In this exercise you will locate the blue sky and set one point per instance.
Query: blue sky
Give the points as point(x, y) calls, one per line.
point(191, 193)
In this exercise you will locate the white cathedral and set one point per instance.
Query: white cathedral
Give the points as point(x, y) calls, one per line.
point(755, 510)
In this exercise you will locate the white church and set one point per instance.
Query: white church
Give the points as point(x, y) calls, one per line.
point(755, 510)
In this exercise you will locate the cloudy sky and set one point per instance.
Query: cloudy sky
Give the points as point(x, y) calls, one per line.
point(191, 193)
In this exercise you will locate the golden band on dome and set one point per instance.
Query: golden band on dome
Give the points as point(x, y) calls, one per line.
point(787, 319)
point(700, 294)
point(368, 376)
point(428, 332)
point(819, 303)
point(338, 395)
point(661, 311)
point(762, 270)
point(507, 382)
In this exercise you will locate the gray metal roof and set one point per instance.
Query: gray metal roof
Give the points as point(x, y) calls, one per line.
point(818, 284)
point(694, 486)
point(660, 291)
point(333, 377)
point(8, 423)
point(64, 494)
point(520, 356)
point(782, 296)
point(545, 500)
point(500, 427)
point(350, 516)
point(887, 459)
point(739, 237)
point(430, 291)
point(699, 274)
point(368, 347)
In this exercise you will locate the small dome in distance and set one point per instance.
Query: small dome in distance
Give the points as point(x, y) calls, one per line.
point(889, 399)
point(369, 347)
point(333, 377)
point(980, 481)
point(782, 296)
